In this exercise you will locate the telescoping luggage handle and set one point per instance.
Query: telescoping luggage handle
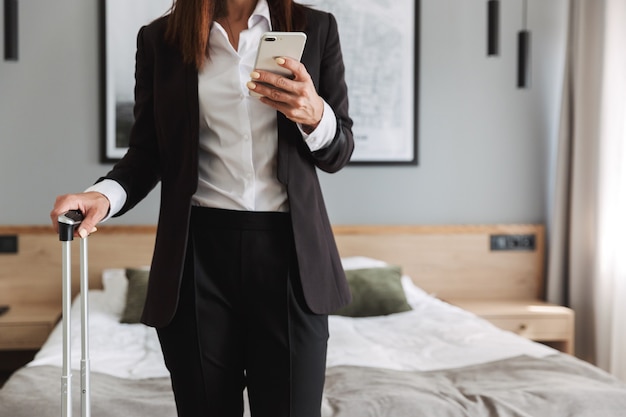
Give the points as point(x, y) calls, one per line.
point(68, 223)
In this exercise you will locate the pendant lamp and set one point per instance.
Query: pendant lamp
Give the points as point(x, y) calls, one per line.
point(523, 51)
point(10, 30)
point(493, 27)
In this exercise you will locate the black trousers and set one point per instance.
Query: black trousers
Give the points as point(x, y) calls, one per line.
point(242, 322)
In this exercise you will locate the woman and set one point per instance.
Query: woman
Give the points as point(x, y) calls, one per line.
point(245, 267)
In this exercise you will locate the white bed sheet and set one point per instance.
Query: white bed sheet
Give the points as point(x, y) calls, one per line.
point(434, 335)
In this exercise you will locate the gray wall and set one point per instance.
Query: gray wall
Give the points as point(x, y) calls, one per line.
point(484, 145)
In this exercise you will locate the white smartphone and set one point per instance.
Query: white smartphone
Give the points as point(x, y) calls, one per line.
point(276, 44)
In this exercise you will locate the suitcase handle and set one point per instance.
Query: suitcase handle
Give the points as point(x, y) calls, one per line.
point(68, 222)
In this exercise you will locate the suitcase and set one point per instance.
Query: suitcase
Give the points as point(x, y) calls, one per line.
point(68, 223)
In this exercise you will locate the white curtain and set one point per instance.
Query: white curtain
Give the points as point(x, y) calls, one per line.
point(587, 248)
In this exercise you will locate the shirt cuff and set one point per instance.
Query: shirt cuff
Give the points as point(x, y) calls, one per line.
point(324, 133)
point(114, 192)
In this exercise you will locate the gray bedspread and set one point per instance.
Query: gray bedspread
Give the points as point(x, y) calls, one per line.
point(36, 392)
point(557, 386)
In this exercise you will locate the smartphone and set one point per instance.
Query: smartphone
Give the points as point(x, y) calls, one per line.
point(276, 44)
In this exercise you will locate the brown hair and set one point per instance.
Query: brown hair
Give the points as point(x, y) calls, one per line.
point(190, 22)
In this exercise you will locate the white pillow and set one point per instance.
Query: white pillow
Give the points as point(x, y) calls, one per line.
point(414, 294)
point(115, 286)
point(361, 262)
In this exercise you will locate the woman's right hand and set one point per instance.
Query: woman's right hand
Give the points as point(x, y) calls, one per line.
point(94, 206)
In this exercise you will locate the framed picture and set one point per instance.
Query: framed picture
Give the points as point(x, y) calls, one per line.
point(120, 23)
point(380, 45)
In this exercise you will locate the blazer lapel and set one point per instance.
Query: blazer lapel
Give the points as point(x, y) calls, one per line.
point(177, 116)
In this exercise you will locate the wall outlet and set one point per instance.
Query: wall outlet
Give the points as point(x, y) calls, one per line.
point(513, 242)
point(8, 243)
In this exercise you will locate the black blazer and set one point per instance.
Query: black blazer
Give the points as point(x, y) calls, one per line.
point(164, 147)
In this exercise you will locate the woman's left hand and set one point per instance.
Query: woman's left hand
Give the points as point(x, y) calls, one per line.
point(296, 98)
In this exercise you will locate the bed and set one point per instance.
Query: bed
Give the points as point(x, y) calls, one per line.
point(425, 358)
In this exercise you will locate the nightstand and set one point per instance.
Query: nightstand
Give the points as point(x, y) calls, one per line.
point(23, 329)
point(542, 322)
point(26, 327)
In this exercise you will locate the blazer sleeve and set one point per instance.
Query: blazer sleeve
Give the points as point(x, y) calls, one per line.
point(332, 88)
point(138, 171)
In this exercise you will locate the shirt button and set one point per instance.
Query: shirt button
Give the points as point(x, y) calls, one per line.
point(246, 137)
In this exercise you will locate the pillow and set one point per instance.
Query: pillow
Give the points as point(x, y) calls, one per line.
point(115, 285)
point(136, 295)
point(361, 262)
point(375, 292)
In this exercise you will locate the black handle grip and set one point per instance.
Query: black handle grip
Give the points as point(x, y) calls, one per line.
point(68, 222)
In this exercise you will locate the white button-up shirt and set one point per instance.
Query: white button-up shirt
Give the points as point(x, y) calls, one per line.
point(238, 134)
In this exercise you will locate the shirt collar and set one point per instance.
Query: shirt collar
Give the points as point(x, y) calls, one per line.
point(261, 11)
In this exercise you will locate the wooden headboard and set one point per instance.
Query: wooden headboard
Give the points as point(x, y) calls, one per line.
point(33, 274)
point(456, 262)
point(452, 262)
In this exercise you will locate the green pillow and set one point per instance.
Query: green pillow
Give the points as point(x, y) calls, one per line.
point(136, 295)
point(375, 292)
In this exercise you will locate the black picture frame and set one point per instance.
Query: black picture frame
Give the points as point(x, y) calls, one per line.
point(394, 139)
point(120, 21)
point(380, 42)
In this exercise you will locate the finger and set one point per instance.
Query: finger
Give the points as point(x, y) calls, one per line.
point(94, 207)
point(256, 87)
point(83, 233)
point(63, 204)
point(271, 80)
point(294, 66)
point(272, 93)
point(87, 227)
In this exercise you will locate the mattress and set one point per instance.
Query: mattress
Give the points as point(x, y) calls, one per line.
point(429, 337)
point(434, 360)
